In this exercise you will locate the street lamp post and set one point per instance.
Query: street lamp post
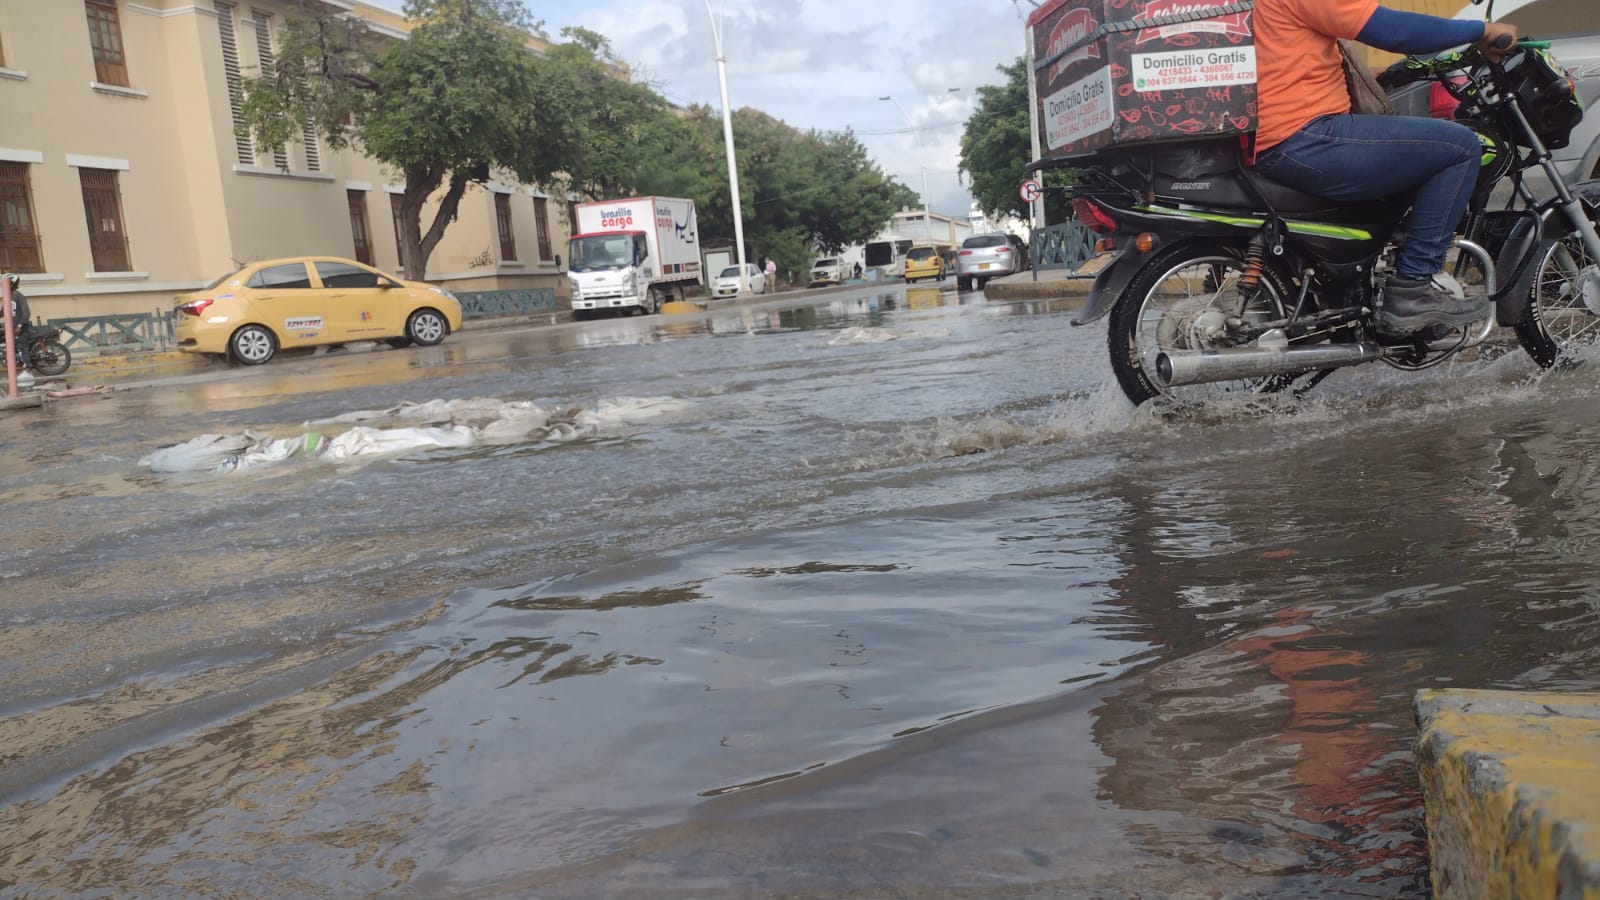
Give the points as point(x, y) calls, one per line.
point(727, 138)
point(927, 217)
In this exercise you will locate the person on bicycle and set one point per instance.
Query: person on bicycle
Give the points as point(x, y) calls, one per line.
point(1308, 139)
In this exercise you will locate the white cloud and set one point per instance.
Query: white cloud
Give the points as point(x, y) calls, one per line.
point(823, 64)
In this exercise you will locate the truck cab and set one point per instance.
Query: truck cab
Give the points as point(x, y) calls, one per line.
point(610, 270)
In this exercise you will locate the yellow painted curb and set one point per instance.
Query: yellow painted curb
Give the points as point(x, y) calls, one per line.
point(1511, 780)
point(672, 307)
point(126, 360)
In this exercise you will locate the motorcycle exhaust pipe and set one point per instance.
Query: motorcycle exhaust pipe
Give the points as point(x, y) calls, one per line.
point(1180, 367)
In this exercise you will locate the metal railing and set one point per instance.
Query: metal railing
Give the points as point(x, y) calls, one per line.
point(129, 331)
point(1064, 246)
point(154, 330)
point(495, 304)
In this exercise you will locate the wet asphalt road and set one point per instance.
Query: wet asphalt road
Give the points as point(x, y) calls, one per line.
point(880, 593)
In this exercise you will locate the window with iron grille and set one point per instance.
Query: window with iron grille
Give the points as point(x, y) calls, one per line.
point(541, 221)
point(102, 209)
point(105, 40)
point(502, 217)
point(396, 210)
point(263, 23)
point(19, 238)
point(358, 226)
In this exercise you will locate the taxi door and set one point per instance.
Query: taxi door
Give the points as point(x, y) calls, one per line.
point(283, 298)
point(355, 303)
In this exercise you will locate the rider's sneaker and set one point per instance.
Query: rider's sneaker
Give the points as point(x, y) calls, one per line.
point(1410, 305)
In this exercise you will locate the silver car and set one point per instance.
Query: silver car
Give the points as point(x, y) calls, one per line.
point(986, 256)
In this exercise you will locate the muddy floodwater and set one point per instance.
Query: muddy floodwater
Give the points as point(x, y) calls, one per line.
point(875, 594)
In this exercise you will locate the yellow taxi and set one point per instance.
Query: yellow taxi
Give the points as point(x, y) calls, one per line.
point(280, 304)
point(924, 261)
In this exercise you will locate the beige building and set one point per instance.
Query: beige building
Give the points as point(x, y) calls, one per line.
point(122, 182)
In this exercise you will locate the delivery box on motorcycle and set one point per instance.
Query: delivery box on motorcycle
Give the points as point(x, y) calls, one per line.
point(1118, 72)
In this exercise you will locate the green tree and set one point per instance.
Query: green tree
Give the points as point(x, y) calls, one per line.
point(611, 121)
point(802, 191)
point(461, 97)
point(996, 148)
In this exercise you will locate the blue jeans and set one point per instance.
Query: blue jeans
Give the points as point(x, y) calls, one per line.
point(1360, 158)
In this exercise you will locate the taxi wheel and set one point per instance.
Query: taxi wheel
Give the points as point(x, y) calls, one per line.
point(398, 343)
point(252, 345)
point(426, 327)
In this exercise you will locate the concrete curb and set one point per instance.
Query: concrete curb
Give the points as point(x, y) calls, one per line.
point(1511, 781)
point(1051, 286)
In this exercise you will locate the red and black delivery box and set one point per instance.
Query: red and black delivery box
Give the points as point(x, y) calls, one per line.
point(1111, 73)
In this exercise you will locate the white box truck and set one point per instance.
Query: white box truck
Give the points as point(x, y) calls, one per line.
point(632, 255)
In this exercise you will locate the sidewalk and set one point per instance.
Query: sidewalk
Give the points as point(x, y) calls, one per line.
point(1051, 284)
point(1511, 784)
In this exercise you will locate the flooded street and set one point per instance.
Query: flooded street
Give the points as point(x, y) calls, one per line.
point(870, 594)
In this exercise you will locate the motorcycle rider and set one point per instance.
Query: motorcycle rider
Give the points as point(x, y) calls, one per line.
point(19, 307)
point(1308, 138)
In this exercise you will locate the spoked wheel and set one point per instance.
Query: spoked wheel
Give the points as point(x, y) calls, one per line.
point(50, 357)
point(1563, 312)
point(1180, 302)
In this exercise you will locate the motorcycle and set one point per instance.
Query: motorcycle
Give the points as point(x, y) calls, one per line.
point(1224, 282)
point(42, 351)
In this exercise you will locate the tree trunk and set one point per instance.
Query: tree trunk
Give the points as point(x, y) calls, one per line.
point(418, 245)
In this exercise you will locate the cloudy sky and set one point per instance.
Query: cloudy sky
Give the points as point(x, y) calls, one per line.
point(823, 64)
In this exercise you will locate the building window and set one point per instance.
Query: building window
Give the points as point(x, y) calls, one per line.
point(102, 208)
point(502, 217)
point(395, 204)
point(227, 31)
point(105, 39)
point(19, 238)
point(358, 226)
point(541, 221)
point(263, 23)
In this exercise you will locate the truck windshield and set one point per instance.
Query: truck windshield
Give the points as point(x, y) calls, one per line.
point(600, 252)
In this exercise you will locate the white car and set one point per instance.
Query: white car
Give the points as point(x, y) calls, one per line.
point(827, 270)
point(727, 283)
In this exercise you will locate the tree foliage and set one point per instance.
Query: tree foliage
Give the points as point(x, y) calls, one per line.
point(996, 148)
point(801, 192)
point(462, 97)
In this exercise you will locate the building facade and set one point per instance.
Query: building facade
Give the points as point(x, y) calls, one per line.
point(123, 181)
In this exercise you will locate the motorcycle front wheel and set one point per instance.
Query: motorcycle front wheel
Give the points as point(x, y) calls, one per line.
point(1563, 311)
point(50, 357)
point(1172, 303)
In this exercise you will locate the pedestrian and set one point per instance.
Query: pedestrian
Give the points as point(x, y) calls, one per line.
point(772, 275)
point(1308, 138)
point(858, 270)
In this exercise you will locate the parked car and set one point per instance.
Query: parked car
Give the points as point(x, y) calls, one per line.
point(923, 261)
point(986, 256)
point(827, 270)
point(727, 283)
point(250, 314)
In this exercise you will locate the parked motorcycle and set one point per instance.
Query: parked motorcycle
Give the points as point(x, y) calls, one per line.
point(1225, 282)
point(42, 351)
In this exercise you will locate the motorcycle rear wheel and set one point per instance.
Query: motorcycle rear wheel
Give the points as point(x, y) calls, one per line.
point(50, 357)
point(1159, 308)
point(1559, 319)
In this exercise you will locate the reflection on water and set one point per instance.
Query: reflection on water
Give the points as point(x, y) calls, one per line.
point(936, 614)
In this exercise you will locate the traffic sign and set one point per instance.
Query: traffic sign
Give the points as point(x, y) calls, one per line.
point(1030, 190)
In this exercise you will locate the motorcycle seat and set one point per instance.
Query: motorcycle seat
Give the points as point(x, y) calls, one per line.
point(1232, 190)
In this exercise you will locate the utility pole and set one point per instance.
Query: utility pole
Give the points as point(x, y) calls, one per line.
point(727, 138)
